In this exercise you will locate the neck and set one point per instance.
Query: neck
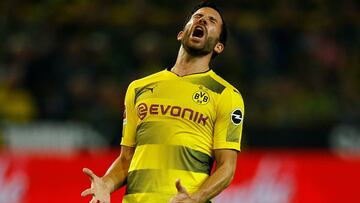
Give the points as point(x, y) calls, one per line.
point(187, 64)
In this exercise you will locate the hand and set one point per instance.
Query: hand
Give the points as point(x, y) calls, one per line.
point(99, 190)
point(182, 196)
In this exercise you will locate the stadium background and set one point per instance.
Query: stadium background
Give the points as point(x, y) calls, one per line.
point(65, 66)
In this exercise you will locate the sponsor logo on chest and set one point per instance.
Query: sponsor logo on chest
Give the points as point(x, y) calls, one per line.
point(144, 110)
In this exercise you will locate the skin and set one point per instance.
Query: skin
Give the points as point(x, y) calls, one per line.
point(216, 183)
point(194, 57)
point(186, 63)
point(102, 187)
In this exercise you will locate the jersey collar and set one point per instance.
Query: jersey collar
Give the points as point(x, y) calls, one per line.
point(193, 74)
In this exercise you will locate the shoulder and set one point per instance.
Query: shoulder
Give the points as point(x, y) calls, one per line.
point(147, 80)
point(230, 98)
point(228, 88)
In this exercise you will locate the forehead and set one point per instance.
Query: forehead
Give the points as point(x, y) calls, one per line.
point(210, 12)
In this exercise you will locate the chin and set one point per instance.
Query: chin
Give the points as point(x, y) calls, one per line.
point(196, 45)
point(196, 48)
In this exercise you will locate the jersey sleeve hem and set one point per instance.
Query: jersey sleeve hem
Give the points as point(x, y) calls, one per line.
point(127, 143)
point(228, 145)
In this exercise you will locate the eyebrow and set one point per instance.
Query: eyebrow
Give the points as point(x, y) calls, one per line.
point(211, 17)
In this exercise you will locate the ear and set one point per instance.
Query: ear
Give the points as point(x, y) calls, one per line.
point(219, 47)
point(180, 35)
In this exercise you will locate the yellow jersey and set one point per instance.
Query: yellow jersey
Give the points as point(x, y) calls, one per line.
point(175, 124)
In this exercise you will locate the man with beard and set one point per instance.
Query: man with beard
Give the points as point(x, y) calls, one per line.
point(176, 122)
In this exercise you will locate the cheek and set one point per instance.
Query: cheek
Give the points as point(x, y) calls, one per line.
point(218, 31)
point(188, 25)
point(214, 30)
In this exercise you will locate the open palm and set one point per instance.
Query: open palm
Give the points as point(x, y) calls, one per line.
point(99, 190)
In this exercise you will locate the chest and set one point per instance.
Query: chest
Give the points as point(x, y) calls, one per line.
point(176, 98)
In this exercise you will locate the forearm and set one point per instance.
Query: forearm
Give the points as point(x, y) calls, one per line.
point(116, 174)
point(216, 183)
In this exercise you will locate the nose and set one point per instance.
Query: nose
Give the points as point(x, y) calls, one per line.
point(203, 20)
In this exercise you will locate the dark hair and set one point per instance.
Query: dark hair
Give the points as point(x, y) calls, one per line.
point(212, 4)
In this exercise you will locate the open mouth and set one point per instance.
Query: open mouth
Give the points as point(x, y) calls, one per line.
point(198, 32)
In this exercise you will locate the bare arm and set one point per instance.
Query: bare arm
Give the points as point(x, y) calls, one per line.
point(102, 187)
point(216, 183)
point(118, 171)
point(221, 178)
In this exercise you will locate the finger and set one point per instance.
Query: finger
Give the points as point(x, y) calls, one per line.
point(87, 192)
point(93, 200)
point(179, 187)
point(89, 173)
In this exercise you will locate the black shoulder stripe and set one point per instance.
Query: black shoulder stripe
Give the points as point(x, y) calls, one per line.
point(209, 83)
point(235, 90)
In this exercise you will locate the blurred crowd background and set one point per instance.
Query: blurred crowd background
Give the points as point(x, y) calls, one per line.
point(65, 66)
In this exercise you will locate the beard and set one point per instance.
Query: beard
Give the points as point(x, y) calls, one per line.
point(203, 50)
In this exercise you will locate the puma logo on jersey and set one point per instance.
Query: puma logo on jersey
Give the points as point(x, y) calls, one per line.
point(149, 88)
point(175, 111)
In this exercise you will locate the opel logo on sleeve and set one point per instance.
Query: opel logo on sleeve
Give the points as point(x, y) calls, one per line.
point(236, 117)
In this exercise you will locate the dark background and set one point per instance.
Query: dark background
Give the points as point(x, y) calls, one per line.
point(296, 64)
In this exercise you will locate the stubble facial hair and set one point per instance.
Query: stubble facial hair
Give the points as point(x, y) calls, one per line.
point(193, 51)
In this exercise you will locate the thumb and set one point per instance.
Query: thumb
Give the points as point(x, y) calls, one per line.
point(179, 187)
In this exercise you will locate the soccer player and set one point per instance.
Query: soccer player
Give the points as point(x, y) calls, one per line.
point(177, 122)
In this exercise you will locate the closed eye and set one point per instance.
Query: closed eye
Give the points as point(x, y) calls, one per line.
point(198, 15)
point(213, 20)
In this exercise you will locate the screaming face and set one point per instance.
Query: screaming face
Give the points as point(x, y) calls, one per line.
point(201, 33)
